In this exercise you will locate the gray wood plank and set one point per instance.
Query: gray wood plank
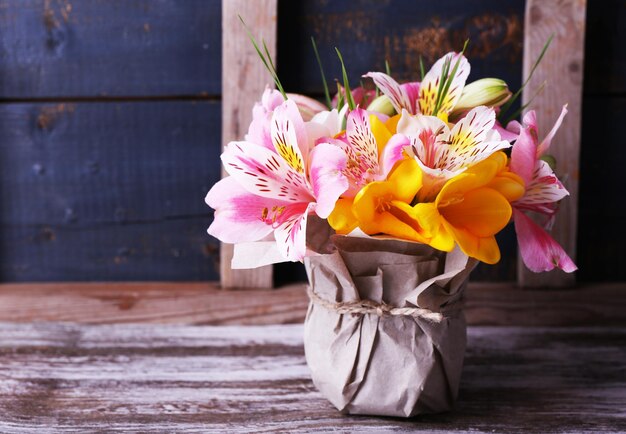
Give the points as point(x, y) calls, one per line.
point(57, 48)
point(108, 191)
point(117, 378)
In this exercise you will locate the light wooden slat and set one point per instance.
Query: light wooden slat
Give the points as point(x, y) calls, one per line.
point(562, 68)
point(146, 378)
point(243, 81)
point(205, 303)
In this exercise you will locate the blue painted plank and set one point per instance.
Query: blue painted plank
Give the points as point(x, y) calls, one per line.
point(85, 184)
point(368, 32)
point(52, 49)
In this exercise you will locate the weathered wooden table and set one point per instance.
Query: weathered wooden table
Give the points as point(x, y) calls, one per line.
point(57, 377)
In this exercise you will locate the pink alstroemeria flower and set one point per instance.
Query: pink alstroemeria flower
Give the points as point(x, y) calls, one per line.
point(259, 129)
point(539, 250)
point(274, 190)
point(370, 148)
point(420, 98)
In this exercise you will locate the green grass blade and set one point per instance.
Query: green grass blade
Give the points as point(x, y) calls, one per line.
point(516, 95)
point(346, 85)
point(324, 83)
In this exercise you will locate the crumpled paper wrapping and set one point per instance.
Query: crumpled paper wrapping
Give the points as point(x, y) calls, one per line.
point(387, 365)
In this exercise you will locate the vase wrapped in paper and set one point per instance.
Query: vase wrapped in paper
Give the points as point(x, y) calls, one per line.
point(390, 195)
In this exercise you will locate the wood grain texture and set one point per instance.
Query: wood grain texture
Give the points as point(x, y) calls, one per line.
point(107, 191)
point(72, 378)
point(60, 48)
point(562, 69)
point(205, 303)
point(243, 80)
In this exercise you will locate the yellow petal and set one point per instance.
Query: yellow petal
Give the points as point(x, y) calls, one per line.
point(509, 185)
point(483, 212)
point(432, 222)
point(406, 180)
point(381, 133)
point(392, 123)
point(341, 219)
point(371, 200)
point(484, 249)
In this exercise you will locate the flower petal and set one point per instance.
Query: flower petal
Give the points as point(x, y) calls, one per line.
point(393, 152)
point(328, 182)
point(362, 142)
point(544, 188)
point(471, 140)
point(483, 212)
point(264, 173)
point(239, 215)
point(540, 252)
point(389, 87)
point(341, 218)
point(291, 235)
point(545, 143)
point(523, 155)
point(289, 135)
point(430, 85)
point(484, 249)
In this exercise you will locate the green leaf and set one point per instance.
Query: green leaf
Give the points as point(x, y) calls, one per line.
point(346, 85)
point(265, 58)
point(516, 95)
point(324, 83)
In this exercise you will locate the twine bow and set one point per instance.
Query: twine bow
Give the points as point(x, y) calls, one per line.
point(363, 307)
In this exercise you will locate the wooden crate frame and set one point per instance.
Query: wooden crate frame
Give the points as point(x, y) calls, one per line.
point(255, 303)
point(244, 79)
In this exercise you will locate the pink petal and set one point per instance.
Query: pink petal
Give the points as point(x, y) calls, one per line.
point(361, 139)
point(545, 144)
point(510, 133)
point(394, 152)
point(259, 129)
point(544, 187)
point(238, 214)
point(289, 135)
point(389, 87)
point(328, 182)
point(291, 235)
point(523, 155)
point(538, 249)
point(412, 91)
point(264, 173)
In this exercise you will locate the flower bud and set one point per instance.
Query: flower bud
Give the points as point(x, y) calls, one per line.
point(381, 104)
point(490, 92)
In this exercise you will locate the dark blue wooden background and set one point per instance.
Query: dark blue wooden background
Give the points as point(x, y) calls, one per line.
point(110, 122)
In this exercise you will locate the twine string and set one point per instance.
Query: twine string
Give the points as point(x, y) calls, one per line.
point(362, 307)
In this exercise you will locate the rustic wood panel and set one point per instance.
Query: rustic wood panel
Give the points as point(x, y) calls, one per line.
point(58, 48)
point(244, 79)
point(204, 303)
point(143, 378)
point(107, 191)
point(562, 70)
point(601, 211)
point(369, 32)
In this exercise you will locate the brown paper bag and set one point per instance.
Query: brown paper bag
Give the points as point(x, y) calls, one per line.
point(404, 356)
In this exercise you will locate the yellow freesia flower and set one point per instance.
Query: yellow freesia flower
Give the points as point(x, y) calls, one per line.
point(474, 206)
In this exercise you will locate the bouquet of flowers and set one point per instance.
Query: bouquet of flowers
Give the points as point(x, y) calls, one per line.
point(392, 194)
